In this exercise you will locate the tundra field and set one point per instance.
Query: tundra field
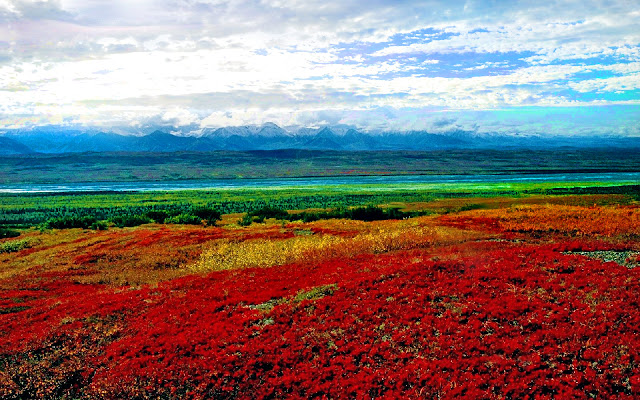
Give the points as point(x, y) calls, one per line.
point(496, 291)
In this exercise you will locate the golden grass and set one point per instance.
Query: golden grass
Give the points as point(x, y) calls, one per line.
point(375, 237)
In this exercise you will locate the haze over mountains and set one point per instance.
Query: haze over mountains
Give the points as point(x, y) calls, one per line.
point(53, 139)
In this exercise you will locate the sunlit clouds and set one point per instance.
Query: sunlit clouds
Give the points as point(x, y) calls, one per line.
point(374, 65)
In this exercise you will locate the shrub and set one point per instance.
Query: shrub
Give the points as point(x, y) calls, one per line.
point(159, 216)
point(187, 219)
point(130, 220)
point(99, 226)
point(15, 245)
point(69, 222)
point(368, 213)
point(8, 233)
point(270, 212)
point(309, 217)
point(246, 220)
point(210, 215)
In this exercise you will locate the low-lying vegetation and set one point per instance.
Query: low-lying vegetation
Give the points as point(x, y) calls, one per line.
point(27, 210)
point(195, 216)
point(368, 213)
point(484, 299)
point(8, 233)
point(14, 245)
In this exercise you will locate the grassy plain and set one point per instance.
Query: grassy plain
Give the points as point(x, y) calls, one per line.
point(501, 291)
point(109, 167)
point(24, 210)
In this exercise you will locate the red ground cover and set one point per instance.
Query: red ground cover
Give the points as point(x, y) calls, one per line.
point(489, 319)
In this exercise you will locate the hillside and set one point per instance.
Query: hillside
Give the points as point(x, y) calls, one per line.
point(158, 166)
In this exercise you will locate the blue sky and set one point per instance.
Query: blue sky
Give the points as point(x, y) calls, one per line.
point(514, 67)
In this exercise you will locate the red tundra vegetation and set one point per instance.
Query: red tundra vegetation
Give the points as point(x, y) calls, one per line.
point(516, 302)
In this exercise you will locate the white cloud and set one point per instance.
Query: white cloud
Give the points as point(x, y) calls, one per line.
point(615, 84)
point(180, 117)
point(251, 61)
point(549, 41)
point(249, 116)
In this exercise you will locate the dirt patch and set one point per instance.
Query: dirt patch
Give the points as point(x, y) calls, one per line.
point(629, 259)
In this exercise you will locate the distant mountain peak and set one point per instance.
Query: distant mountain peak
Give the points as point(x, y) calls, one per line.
point(10, 146)
point(325, 132)
point(159, 133)
point(270, 136)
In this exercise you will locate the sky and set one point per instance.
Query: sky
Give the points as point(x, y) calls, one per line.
point(507, 67)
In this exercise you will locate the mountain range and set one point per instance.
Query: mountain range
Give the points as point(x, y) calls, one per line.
point(270, 136)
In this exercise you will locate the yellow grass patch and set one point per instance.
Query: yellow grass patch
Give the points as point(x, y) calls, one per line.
point(377, 237)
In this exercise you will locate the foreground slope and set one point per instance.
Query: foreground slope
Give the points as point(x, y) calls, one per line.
point(512, 302)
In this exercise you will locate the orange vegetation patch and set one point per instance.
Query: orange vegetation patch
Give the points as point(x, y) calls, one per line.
point(456, 204)
point(576, 221)
point(129, 256)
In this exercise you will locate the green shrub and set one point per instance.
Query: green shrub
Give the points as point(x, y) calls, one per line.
point(246, 220)
point(70, 222)
point(310, 217)
point(159, 216)
point(368, 213)
point(99, 226)
point(468, 207)
point(187, 219)
point(129, 220)
point(14, 245)
point(8, 233)
point(210, 215)
point(270, 212)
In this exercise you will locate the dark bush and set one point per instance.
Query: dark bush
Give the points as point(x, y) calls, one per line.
point(159, 216)
point(246, 220)
point(368, 213)
point(99, 226)
point(210, 215)
point(129, 220)
point(69, 222)
point(308, 217)
point(270, 212)
point(394, 213)
point(8, 233)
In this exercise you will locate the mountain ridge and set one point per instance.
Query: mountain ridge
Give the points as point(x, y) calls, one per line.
point(269, 136)
point(9, 146)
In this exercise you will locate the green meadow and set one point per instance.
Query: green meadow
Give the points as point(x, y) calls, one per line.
point(30, 209)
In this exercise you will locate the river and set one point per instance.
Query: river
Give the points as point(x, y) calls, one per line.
point(309, 182)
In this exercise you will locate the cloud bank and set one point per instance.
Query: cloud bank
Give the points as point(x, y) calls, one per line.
point(556, 67)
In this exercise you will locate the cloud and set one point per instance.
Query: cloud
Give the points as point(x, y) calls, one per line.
point(377, 65)
point(179, 117)
point(33, 10)
point(615, 84)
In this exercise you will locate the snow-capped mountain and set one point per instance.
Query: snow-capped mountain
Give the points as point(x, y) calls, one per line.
point(269, 136)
